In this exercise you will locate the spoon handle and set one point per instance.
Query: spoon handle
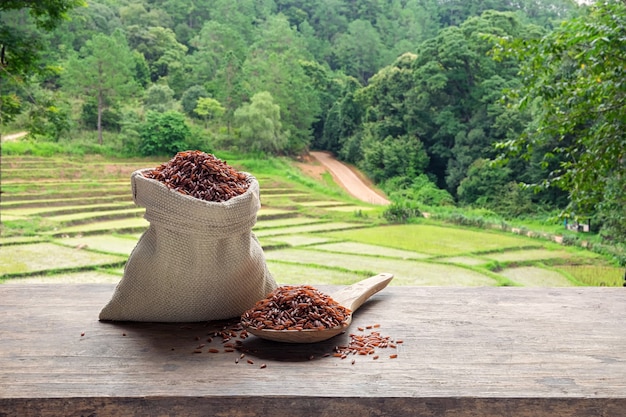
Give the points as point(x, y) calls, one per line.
point(353, 296)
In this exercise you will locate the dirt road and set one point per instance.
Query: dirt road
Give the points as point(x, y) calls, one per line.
point(13, 136)
point(340, 172)
point(349, 180)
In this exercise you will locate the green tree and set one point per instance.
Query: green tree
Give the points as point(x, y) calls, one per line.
point(493, 187)
point(104, 70)
point(365, 9)
point(142, 71)
point(163, 53)
point(405, 24)
point(110, 118)
point(343, 121)
point(400, 156)
point(159, 97)
point(22, 45)
point(419, 189)
point(211, 47)
point(220, 50)
point(244, 15)
point(164, 133)
point(455, 12)
point(319, 48)
point(453, 104)
point(575, 81)
point(358, 52)
point(389, 146)
point(260, 127)
point(50, 117)
point(139, 14)
point(384, 99)
point(208, 108)
point(82, 24)
point(188, 12)
point(227, 86)
point(190, 97)
point(276, 65)
point(329, 19)
point(483, 184)
point(47, 14)
point(328, 86)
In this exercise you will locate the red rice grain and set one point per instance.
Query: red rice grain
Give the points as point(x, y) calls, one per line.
point(296, 307)
point(200, 175)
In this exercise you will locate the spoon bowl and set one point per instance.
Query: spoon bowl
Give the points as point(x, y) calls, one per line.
point(351, 297)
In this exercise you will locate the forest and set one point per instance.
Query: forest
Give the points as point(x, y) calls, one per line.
point(511, 106)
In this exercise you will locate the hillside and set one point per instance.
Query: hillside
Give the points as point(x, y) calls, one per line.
point(489, 105)
point(73, 220)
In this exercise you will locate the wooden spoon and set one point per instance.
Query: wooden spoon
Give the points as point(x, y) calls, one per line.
point(351, 297)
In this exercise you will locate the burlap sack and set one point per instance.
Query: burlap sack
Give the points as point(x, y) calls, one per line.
point(198, 260)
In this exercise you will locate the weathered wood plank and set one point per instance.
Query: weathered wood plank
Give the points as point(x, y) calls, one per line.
point(233, 406)
point(466, 352)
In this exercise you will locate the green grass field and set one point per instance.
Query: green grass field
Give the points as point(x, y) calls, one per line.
point(436, 240)
point(73, 220)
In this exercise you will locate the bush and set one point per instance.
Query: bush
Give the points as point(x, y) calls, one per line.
point(164, 134)
point(401, 212)
point(419, 189)
point(199, 140)
point(480, 218)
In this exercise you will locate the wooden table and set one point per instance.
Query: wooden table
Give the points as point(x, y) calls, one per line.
point(465, 352)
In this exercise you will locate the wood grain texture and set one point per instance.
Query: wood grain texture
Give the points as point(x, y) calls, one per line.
point(465, 352)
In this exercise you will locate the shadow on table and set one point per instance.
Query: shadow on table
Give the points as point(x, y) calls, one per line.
point(223, 337)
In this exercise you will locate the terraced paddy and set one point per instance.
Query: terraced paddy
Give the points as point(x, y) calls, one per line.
point(75, 221)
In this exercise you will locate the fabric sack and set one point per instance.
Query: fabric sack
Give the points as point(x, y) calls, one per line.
point(198, 261)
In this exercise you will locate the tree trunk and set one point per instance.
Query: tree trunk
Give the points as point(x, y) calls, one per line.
point(100, 118)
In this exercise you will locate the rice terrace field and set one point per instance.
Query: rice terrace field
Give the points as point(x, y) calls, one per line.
point(73, 220)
